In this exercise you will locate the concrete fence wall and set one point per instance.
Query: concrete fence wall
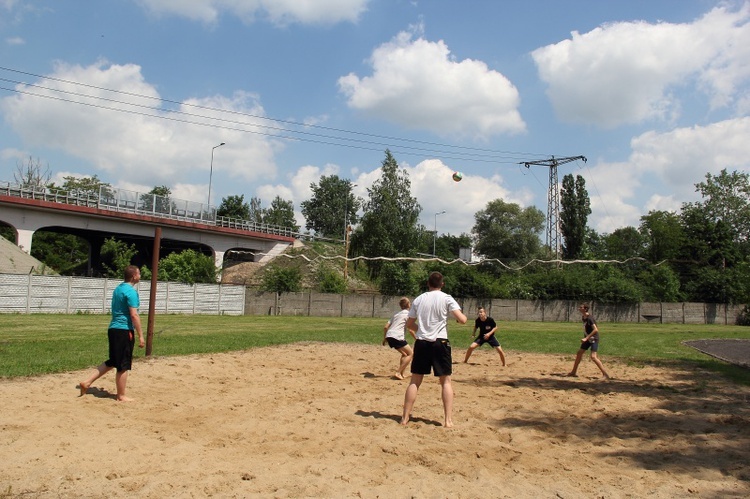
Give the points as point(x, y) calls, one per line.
point(69, 295)
point(28, 294)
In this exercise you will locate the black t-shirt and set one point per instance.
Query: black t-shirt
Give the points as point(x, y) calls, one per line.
point(588, 326)
point(484, 326)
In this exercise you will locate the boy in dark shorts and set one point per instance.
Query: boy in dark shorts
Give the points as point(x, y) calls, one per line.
point(394, 333)
point(487, 329)
point(125, 320)
point(432, 350)
point(590, 340)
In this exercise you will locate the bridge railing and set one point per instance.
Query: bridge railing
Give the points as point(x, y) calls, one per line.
point(122, 200)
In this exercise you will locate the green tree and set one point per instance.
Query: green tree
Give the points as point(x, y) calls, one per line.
point(624, 243)
point(388, 227)
point(663, 235)
point(116, 255)
point(67, 254)
point(331, 203)
point(508, 232)
point(281, 213)
point(575, 209)
point(157, 200)
point(726, 198)
point(448, 247)
point(188, 266)
point(85, 186)
point(234, 207)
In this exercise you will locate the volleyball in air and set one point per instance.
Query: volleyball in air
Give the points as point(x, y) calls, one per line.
point(457, 176)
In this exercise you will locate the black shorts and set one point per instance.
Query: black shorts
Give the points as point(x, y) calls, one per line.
point(432, 355)
point(592, 344)
point(492, 341)
point(121, 343)
point(394, 343)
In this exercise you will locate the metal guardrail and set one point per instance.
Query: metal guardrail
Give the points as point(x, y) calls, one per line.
point(121, 200)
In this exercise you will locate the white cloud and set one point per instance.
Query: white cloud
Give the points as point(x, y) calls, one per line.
point(683, 156)
point(137, 141)
point(278, 12)
point(15, 40)
point(626, 72)
point(671, 162)
point(416, 84)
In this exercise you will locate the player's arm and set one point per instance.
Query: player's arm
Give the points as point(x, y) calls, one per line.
point(412, 332)
point(459, 316)
point(594, 330)
point(136, 319)
point(385, 330)
point(411, 324)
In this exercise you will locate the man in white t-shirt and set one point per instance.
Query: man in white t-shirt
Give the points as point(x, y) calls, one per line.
point(432, 351)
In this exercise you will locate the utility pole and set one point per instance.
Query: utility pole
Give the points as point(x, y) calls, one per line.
point(553, 198)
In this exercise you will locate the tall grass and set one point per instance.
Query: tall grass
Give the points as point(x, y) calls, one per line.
point(40, 343)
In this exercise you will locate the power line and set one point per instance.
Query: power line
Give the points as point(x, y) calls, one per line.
point(358, 140)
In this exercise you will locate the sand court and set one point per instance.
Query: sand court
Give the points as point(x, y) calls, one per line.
point(321, 420)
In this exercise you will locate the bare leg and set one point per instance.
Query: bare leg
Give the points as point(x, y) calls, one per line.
point(101, 370)
point(579, 356)
point(471, 349)
point(406, 355)
point(411, 396)
point(121, 380)
point(595, 359)
point(502, 355)
point(447, 393)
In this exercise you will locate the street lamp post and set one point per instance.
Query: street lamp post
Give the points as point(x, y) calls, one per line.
point(211, 174)
point(434, 236)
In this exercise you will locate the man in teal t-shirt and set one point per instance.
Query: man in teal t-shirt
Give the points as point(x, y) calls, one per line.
point(125, 320)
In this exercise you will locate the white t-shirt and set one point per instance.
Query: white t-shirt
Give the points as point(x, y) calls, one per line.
point(397, 327)
point(432, 309)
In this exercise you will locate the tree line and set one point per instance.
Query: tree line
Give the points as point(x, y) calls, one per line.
point(699, 253)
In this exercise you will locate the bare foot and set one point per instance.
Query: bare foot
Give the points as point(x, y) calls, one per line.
point(404, 421)
point(83, 387)
point(399, 376)
point(124, 399)
point(448, 424)
point(571, 375)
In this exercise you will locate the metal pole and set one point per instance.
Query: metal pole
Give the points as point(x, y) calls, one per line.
point(211, 174)
point(152, 292)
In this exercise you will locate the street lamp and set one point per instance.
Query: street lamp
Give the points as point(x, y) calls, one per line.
point(211, 173)
point(434, 236)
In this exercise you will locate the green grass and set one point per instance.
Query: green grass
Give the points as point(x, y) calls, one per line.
point(40, 343)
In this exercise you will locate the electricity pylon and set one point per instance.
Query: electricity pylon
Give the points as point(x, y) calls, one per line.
point(553, 199)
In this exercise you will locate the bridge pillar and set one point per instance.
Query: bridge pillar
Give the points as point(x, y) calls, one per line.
point(23, 239)
point(219, 261)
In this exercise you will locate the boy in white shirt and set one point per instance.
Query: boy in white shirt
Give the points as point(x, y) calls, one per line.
point(394, 333)
point(432, 350)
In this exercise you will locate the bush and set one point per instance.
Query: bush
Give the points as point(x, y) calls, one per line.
point(330, 281)
point(282, 280)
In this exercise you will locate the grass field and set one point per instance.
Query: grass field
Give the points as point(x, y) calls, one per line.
point(40, 343)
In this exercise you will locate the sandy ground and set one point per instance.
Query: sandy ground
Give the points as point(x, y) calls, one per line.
point(321, 420)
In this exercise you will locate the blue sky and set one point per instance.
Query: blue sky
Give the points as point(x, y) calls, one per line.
point(655, 94)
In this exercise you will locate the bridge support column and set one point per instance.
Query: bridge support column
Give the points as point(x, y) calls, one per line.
point(23, 239)
point(219, 261)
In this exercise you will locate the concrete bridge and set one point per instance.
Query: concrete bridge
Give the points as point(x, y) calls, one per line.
point(134, 217)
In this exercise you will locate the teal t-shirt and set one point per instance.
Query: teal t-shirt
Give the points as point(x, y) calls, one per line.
point(124, 298)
